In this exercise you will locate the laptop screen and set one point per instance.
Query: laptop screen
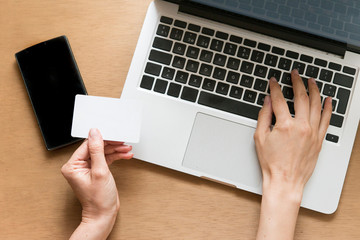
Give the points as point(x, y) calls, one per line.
point(333, 19)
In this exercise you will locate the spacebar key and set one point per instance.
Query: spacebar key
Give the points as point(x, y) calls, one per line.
point(229, 105)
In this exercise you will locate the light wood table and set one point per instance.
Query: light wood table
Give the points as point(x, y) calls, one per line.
point(156, 203)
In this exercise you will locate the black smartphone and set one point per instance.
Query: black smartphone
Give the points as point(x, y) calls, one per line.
point(52, 80)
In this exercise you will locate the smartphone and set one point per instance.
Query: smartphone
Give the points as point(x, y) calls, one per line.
point(52, 80)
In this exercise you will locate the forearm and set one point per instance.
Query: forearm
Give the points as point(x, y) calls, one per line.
point(279, 210)
point(94, 229)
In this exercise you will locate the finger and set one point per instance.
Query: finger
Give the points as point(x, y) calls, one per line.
point(315, 103)
point(81, 153)
point(265, 117)
point(96, 149)
point(114, 148)
point(113, 143)
point(117, 156)
point(278, 102)
point(301, 100)
point(325, 117)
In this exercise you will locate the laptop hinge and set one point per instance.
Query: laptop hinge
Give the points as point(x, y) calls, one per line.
point(273, 30)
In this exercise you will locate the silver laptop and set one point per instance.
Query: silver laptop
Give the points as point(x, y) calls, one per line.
point(201, 70)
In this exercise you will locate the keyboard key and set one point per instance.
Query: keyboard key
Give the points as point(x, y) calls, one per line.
point(192, 52)
point(147, 82)
point(286, 78)
point(288, 92)
point(260, 71)
point(222, 88)
point(278, 51)
point(260, 85)
point(291, 107)
point(219, 73)
point(336, 120)
point(233, 63)
point(229, 105)
point(219, 59)
point(203, 41)
point(263, 46)
point(163, 44)
point(179, 48)
point(194, 27)
point(205, 69)
point(271, 60)
point(216, 45)
point(192, 66)
point(235, 39)
point(343, 96)
point(246, 81)
point(247, 67)
point(174, 90)
point(292, 54)
point(181, 77)
point(343, 80)
point(250, 96)
point(160, 57)
point(195, 80)
point(349, 70)
point(261, 99)
point(168, 73)
point(230, 49)
point(233, 77)
point(153, 69)
point(306, 58)
point(244, 52)
point(179, 23)
point(332, 138)
point(319, 84)
point(222, 35)
point(189, 94)
point(250, 43)
point(320, 62)
point(274, 73)
point(178, 62)
point(163, 30)
point(208, 31)
point(209, 84)
point(312, 71)
point(206, 56)
point(326, 75)
point(189, 37)
point(299, 66)
point(285, 64)
point(236, 92)
point(166, 20)
point(257, 56)
point(329, 90)
point(335, 66)
point(176, 34)
point(160, 86)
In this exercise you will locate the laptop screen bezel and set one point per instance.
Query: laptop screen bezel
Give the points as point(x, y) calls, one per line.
point(267, 28)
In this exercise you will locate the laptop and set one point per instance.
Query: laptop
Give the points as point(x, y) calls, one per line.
point(201, 71)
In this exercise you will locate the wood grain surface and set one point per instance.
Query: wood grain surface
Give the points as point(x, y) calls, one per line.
point(156, 203)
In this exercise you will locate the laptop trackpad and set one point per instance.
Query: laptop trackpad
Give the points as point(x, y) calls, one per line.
point(223, 149)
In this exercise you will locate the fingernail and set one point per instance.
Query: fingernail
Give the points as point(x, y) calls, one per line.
point(273, 79)
point(94, 132)
point(312, 80)
point(267, 99)
point(295, 71)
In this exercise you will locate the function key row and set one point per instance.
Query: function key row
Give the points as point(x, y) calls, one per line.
point(261, 46)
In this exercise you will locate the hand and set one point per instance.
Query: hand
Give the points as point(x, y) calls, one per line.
point(288, 153)
point(89, 176)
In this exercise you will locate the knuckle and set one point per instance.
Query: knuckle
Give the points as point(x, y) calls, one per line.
point(96, 148)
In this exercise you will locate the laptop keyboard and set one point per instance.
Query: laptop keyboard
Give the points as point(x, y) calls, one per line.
point(230, 73)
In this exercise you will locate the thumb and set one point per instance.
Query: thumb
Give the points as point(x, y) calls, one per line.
point(96, 150)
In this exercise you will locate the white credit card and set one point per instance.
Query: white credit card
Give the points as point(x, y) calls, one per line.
point(117, 119)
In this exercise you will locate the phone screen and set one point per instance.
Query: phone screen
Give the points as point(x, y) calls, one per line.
point(52, 80)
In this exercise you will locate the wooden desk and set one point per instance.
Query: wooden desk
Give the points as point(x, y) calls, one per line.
point(156, 203)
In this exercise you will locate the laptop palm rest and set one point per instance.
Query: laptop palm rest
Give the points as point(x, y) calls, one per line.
point(224, 150)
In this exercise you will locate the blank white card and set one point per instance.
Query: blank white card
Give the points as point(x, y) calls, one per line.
point(117, 119)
